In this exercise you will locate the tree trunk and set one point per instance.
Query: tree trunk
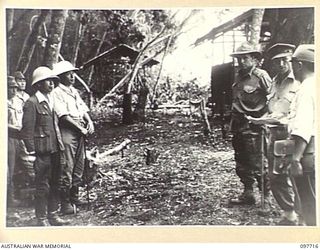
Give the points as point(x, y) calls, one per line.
point(30, 43)
point(9, 17)
point(139, 111)
point(153, 99)
point(127, 109)
point(97, 53)
point(80, 33)
point(56, 29)
point(15, 25)
point(256, 26)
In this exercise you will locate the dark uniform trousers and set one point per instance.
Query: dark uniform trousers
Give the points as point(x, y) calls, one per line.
point(47, 173)
point(281, 185)
point(247, 143)
point(306, 185)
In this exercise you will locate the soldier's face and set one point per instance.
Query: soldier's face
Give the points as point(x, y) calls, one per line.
point(21, 83)
point(282, 65)
point(46, 86)
point(68, 78)
point(246, 61)
point(297, 69)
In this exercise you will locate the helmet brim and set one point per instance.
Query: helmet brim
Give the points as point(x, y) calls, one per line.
point(54, 78)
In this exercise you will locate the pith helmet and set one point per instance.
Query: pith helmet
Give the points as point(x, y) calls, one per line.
point(12, 82)
point(18, 75)
point(63, 67)
point(304, 52)
point(279, 50)
point(246, 48)
point(42, 73)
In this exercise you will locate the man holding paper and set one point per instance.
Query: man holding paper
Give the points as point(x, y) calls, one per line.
point(283, 91)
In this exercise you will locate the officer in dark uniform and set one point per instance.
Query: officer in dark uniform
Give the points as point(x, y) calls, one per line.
point(250, 92)
point(42, 138)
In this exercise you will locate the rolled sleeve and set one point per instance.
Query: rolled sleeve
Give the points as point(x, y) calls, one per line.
point(59, 103)
point(302, 124)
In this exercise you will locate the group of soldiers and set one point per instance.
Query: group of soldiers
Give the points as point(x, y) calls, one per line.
point(46, 137)
point(47, 133)
point(275, 119)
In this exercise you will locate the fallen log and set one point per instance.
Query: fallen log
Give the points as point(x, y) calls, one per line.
point(96, 157)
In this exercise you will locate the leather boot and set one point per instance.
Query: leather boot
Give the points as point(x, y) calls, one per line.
point(246, 198)
point(55, 220)
point(66, 207)
point(74, 197)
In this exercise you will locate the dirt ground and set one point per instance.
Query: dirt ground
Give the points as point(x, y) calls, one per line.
point(189, 183)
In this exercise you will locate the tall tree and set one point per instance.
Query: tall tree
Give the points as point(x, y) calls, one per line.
point(256, 26)
point(30, 43)
point(56, 29)
point(9, 17)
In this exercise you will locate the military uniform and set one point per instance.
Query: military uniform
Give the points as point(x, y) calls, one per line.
point(250, 92)
point(282, 94)
point(42, 138)
point(302, 124)
point(14, 125)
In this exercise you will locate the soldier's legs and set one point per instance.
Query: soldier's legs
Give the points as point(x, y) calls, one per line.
point(306, 190)
point(69, 138)
point(282, 191)
point(78, 173)
point(54, 192)
point(12, 159)
point(243, 170)
point(42, 168)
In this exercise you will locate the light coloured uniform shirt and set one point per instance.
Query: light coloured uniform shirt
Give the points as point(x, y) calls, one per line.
point(23, 96)
point(67, 101)
point(302, 115)
point(282, 95)
point(15, 112)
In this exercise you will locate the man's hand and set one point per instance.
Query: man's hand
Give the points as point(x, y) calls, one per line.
point(295, 168)
point(83, 131)
point(90, 127)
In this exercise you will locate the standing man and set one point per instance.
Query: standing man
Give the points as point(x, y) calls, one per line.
point(249, 92)
point(25, 161)
point(75, 124)
point(302, 130)
point(14, 126)
point(42, 138)
point(283, 91)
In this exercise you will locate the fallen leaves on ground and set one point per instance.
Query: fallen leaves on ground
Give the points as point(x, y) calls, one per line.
point(190, 183)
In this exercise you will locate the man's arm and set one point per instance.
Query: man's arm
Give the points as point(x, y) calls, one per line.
point(68, 120)
point(90, 126)
point(28, 126)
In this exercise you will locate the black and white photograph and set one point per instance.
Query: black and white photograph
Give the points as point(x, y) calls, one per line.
point(160, 117)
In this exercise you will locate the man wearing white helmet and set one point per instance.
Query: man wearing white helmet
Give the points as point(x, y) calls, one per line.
point(302, 130)
point(42, 138)
point(75, 123)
